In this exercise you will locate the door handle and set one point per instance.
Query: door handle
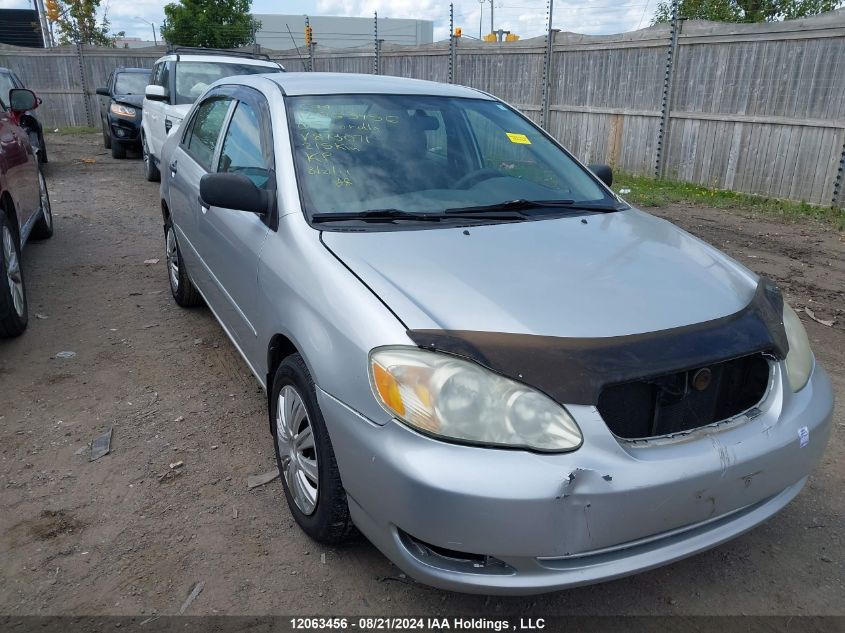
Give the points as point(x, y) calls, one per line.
point(203, 207)
point(173, 168)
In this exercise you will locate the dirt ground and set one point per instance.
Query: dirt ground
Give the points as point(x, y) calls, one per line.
point(113, 537)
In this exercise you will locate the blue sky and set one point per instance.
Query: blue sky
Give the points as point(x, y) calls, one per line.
point(526, 17)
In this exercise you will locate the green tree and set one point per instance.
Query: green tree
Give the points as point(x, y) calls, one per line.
point(743, 10)
point(211, 23)
point(77, 23)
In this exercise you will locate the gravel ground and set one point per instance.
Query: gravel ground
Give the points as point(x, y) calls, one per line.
point(115, 537)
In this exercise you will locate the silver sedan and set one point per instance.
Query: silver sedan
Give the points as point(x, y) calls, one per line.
point(474, 352)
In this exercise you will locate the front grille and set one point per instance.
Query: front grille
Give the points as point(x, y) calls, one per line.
point(684, 400)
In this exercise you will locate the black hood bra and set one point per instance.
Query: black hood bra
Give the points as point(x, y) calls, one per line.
point(575, 370)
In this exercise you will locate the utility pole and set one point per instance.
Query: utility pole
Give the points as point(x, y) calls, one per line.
point(42, 18)
point(492, 30)
point(480, 17)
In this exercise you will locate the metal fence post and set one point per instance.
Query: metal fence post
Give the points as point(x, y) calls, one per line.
point(88, 118)
point(839, 183)
point(451, 43)
point(376, 60)
point(666, 103)
point(547, 68)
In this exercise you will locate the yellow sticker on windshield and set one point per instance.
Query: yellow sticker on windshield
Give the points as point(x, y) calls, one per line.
point(518, 138)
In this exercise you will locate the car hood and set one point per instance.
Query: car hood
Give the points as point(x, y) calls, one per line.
point(133, 100)
point(601, 275)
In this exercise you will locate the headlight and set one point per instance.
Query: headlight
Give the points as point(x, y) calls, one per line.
point(122, 110)
point(456, 399)
point(799, 359)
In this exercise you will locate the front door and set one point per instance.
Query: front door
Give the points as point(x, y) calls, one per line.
point(229, 241)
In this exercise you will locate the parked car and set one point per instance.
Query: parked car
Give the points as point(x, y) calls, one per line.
point(24, 208)
point(121, 101)
point(507, 378)
point(28, 121)
point(177, 80)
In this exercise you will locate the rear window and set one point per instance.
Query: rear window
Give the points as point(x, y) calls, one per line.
point(192, 78)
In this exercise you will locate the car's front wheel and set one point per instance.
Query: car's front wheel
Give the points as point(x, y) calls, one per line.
point(305, 456)
point(13, 308)
point(181, 287)
point(151, 172)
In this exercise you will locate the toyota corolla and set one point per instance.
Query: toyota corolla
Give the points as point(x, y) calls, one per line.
point(507, 378)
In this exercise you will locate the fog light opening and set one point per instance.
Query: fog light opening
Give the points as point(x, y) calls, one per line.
point(453, 560)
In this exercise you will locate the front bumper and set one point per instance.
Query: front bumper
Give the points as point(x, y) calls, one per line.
point(532, 522)
point(125, 129)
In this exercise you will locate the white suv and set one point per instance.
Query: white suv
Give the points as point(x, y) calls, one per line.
point(177, 80)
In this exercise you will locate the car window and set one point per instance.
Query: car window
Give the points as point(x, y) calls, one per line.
point(201, 139)
point(130, 83)
point(6, 84)
point(192, 78)
point(163, 78)
point(426, 154)
point(242, 148)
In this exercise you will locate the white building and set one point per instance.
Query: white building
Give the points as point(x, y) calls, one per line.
point(278, 32)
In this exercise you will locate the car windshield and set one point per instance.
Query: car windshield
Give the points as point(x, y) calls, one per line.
point(192, 78)
point(131, 83)
point(427, 154)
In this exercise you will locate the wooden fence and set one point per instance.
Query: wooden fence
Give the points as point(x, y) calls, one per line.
point(758, 108)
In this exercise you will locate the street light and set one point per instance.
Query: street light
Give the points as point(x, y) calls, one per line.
point(155, 39)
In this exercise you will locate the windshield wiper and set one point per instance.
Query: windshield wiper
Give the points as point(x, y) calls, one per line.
point(522, 204)
point(390, 215)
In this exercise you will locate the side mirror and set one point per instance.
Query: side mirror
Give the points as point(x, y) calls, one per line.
point(233, 191)
point(154, 92)
point(103, 91)
point(603, 172)
point(21, 100)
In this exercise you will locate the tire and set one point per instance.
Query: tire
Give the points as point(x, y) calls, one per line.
point(118, 149)
point(181, 287)
point(43, 228)
point(13, 306)
point(151, 172)
point(42, 155)
point(106, 136)
point(320, 508)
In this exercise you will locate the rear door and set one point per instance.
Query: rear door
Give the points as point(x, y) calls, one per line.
point(230, 241)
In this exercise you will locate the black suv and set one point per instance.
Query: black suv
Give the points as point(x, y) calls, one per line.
point(120, 109)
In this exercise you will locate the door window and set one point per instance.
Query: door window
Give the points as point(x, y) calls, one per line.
point(201, 139)
point(242, 148)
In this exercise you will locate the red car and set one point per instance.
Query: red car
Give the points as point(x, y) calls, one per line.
point(24, 208)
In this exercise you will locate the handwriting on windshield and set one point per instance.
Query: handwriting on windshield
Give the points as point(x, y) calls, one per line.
point(329, 138)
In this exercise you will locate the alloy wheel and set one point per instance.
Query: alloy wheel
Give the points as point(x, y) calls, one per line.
point(297, 450)
point(13, 270)
point(172, 253)
point(45, 200)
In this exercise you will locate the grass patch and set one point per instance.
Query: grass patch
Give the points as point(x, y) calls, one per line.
point(67, 131)
point(648, 192)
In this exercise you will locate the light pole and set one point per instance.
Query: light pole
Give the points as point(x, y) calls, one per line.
point(481, 17)
point(155, 39)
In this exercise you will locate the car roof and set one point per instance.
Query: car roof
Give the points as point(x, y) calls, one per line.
point(314, 83)
point(122, 69)
point(225, 59)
